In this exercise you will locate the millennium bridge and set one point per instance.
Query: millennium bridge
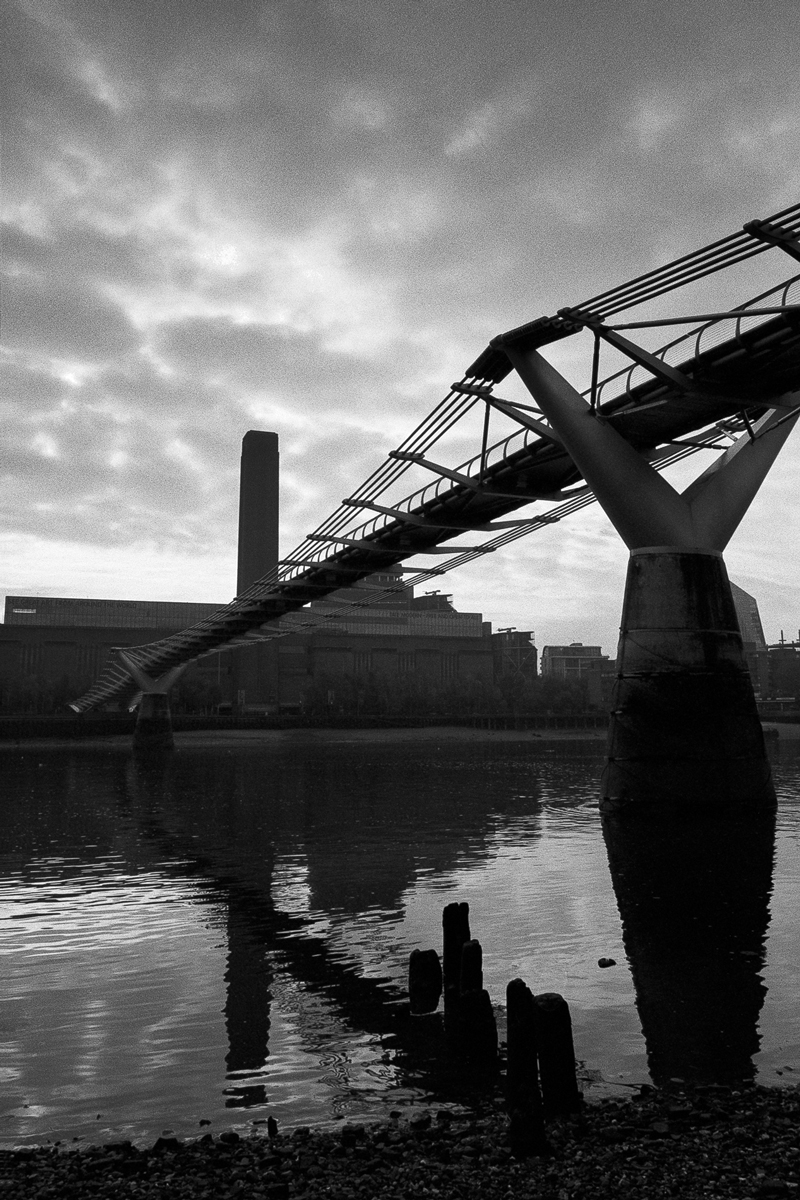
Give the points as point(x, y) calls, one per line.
point(727, 381)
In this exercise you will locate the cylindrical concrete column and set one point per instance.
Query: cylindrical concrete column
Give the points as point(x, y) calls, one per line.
point(153, 730)
point(684, 725)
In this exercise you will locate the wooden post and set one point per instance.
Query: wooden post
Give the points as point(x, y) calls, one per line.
point(477, 1028)
point(556, 1053)
point(526, 1116)
point(469, 1017)
point(455, 928)
point(471, 979)
point(424, 981)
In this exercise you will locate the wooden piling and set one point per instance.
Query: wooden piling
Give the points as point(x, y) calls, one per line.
point(556, 1055)
point(424, 981)
point(477, 1028)
point(471, 975)
point(455, 932)
point(524, 1099)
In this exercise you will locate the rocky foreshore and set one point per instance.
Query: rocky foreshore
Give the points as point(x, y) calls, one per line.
point(707, 1141)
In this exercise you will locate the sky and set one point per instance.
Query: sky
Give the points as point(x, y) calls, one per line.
point(310, 216)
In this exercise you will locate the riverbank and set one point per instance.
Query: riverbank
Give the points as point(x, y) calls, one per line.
point(111, 730)
point(426, 733)
point(235, 738)
point(243, 738)
point(690, 1143)
point(785, 731)
point(92, 725)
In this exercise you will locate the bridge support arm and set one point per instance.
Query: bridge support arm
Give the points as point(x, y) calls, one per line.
point(720, 497)
point(643, 508)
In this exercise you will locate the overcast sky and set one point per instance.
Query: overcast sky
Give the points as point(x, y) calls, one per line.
point(310, 217)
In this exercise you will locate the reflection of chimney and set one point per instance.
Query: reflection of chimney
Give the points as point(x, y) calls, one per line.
point(248, 1004)
point(258, 508)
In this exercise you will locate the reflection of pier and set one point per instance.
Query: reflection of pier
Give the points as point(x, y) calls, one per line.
point(693, 894)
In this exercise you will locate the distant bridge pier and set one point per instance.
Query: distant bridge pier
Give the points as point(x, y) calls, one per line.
point(684, 725)
point(153, 731)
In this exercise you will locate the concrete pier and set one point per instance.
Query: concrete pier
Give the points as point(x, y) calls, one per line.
point(683, 722)
point(153, 730)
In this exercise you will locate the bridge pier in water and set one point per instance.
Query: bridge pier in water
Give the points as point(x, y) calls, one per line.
point(684, 725)
point(153, 730)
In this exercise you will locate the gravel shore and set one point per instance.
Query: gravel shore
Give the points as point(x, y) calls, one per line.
point(706, 1141)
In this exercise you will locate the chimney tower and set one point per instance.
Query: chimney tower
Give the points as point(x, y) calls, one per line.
point(258, 508)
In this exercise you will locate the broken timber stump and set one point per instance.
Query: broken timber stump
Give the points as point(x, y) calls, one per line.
point(424, 981)
point(526, 1114)
point(556, 1054)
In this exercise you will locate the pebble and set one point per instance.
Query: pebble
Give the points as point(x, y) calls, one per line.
point(684, 1142)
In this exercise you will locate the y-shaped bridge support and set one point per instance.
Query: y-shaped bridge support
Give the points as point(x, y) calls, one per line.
point(153, 720)
point(684, 724)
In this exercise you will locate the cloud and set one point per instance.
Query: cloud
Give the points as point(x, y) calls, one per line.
point(64, 322)
point(486, 124)
point(313, 217)
point(360, 111)
point(654, 117)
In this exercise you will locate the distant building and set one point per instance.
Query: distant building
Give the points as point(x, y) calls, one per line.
point(577, 662)
point(749, 618)
point(514, 653)
point(571, 662)
point(754, 643)
point(394, 637)
point(104, 614)
point(784, 671)
point(61, 644)
point(774, 669)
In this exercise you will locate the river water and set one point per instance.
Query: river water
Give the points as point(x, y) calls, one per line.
point(224, 935)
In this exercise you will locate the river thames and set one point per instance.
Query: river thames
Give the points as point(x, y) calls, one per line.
point(224, 935)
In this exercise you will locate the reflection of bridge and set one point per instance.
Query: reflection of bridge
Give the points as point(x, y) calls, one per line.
point(694, 937)
point(367, 828)
point(728, 382)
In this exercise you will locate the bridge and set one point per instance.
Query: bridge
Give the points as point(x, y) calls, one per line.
point(728, 382)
